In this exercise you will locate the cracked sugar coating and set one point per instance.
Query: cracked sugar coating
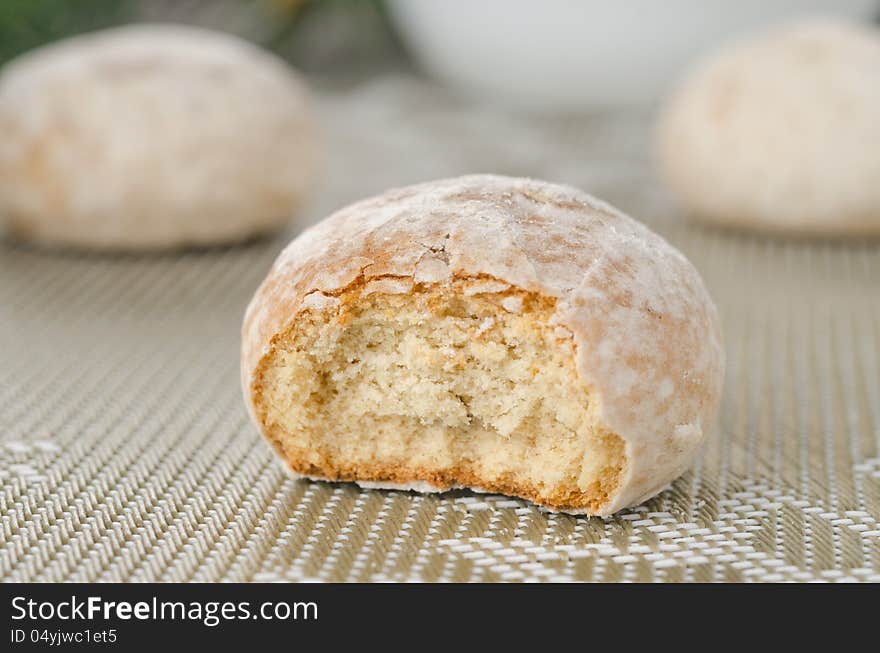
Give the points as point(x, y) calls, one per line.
point(503, 334)
point(779, 132)
point(151, 136)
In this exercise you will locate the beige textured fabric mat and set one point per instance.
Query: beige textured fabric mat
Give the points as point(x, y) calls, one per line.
point(126, 454)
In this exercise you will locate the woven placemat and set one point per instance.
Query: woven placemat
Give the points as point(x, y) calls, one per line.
point(126, 453)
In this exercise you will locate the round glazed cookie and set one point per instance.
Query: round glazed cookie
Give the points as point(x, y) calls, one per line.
point(151, 136)
point(778, 132)
point(505, 335)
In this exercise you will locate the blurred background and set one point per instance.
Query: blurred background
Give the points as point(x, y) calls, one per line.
point(562, 90)
point(549, 55)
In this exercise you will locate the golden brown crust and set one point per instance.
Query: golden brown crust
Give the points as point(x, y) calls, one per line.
point(571, 500)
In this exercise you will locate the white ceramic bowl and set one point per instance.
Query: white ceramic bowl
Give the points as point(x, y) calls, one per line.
point(574, 55)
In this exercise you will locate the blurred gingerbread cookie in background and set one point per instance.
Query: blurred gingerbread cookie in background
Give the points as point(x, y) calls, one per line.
point(151, 136)
point(779, 132)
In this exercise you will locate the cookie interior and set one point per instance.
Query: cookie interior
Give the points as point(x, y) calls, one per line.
point(458, 384)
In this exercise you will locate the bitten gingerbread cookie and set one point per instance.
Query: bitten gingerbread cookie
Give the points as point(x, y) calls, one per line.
point(506, 335)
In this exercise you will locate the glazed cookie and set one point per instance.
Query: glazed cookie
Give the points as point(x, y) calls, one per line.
point(780, 132)
point(151, 136)
point(505, 335)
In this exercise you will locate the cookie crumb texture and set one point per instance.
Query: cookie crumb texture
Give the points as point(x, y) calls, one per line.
point(442, 386)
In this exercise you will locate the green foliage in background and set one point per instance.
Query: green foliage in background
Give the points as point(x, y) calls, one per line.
point(315, 34)
point(26, 24)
